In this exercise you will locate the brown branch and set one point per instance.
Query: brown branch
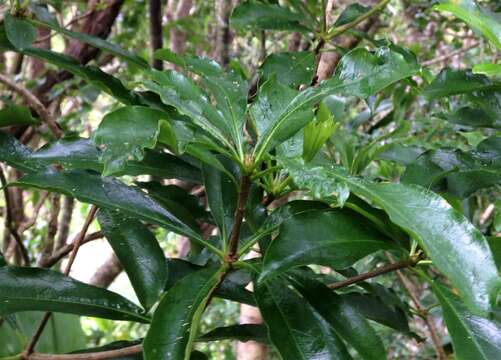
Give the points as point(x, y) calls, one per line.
point(382, 270)
point(66, 249)
point(232, 254)
point(8, 220)
point(64, 224)
point(156, 38)
point(102, 355)
point(35, 104)
point(71, 260)
point(449, 55)
point(36, 210)
point(409, 288)
point(48, 244)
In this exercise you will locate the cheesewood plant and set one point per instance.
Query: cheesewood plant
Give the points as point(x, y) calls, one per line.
point(285, 178)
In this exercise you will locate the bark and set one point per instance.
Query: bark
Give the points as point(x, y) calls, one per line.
point(177, 36)
point(223, 36)
point(98, 23)
point(107, 272)
point(156, 37)
point(64, 224)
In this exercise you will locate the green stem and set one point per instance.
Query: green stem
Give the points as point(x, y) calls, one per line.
point(345, 27)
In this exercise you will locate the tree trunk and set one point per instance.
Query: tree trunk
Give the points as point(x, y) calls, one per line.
point(178, 36)
point(156, 37)
point(223, 38)
point(107, 272)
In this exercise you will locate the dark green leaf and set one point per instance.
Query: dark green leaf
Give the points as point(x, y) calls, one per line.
point(473, 337)
point(181, 92)
point(175, 323)
point(243, 332)
point(348, 323)
point(351, 13)
point(479, 18)
point(229, 89)
point(222, 197)
point(80, 153)
point(24, 289)
point(291, 68)
point(294, 328)
point(335, 238)
point(15, 115)
point(16, 154)
point(399, 153)
point(20, 33)
point(139, 253)
point(94, 41)
point(125, 133)
point(103, 81)
point(108, 193)
point(441, 231)
point(229, 289)
point(359, 73)
point(256, 15)
point(377, 309)
point(453, 82)
point(2, 260)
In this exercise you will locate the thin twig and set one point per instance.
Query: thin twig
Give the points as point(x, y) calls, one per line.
point(66, 249)
point(382, 270)
point(449, 55)
point(232, 254)
point(409, 288)
point(71, 260)
point(36, 210)
point(35, 104)
point(102, 355)
point(8, 220)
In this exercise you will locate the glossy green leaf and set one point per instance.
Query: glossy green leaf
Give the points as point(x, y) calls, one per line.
point(294, 328)
point(15, 115)
point(454, 245)
point(94, 41)
point(20, 33)
point(92, 74)
point(139, 253)
point(291, 68)
point(106, 192)
point(243, 332)
point(348, 323)
point(222, 196)
point(487, 69)
point(453, 82)
point(26, 289)
point(125, 133)
point(351, 13)
point(478, 17)
point(359, 73)
point(63, 333)
point(179, 91)
point(231, 288)
point(473, 337)
point(400, 153)
point(229, 89)
point(253, 15)
point(16, 154)
point(81, 153)
point(334, 238)
point(175, 323)
point(377, 309)
point(317, 132)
